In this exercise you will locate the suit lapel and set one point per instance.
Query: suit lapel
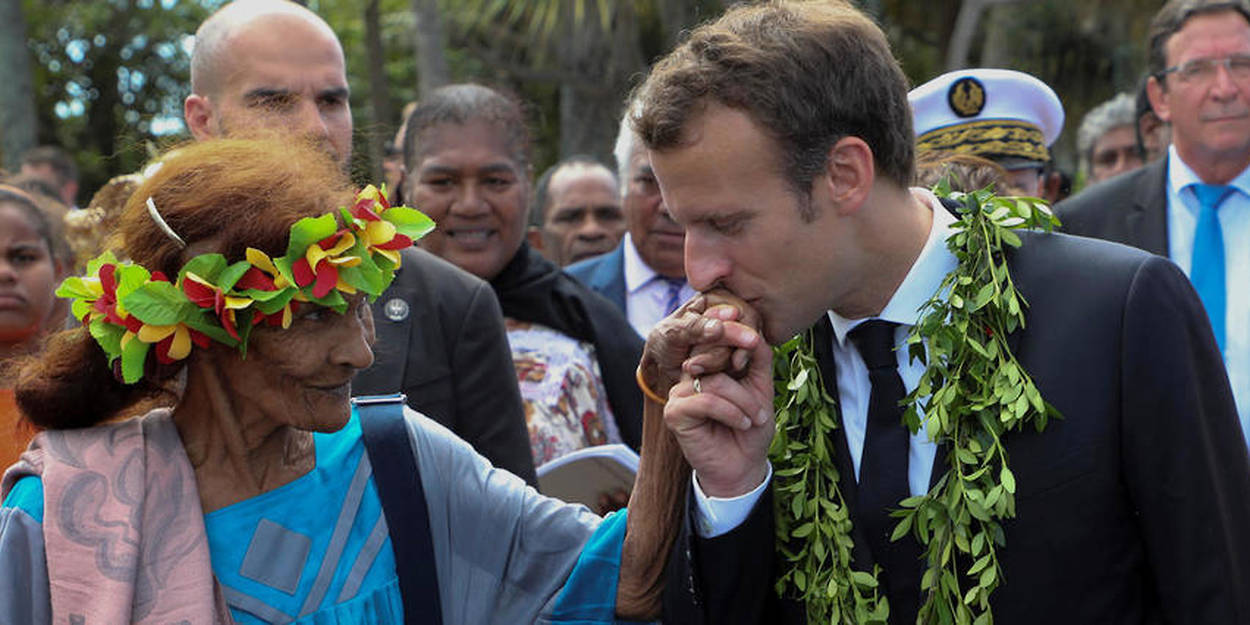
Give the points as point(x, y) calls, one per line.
point(1146, 222)
point(609, 278)
point(391, 345)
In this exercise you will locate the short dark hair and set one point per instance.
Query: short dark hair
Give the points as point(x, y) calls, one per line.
point(36, 186)
point(1172, 17)
point(460, 104)
point(810, 73)
point(542, 188)
point(58, 159)
point(37, 216)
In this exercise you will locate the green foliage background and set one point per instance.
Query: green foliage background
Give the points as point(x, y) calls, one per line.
point(87, 56)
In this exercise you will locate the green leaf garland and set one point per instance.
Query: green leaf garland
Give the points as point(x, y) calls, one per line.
point(972, 392)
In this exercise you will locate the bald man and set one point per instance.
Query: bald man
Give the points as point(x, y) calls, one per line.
point(271, 66)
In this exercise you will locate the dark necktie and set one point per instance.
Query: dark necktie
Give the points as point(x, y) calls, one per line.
point(883, 465)
point(1207, 270)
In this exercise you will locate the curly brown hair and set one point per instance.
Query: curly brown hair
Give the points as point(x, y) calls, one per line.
point(810, 73)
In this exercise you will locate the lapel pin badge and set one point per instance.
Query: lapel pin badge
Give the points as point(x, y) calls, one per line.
point(396, 309)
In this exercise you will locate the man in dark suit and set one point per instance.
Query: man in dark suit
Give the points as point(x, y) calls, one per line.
point(781, 139)
point(1200, 83)
point(440, 334)
point(644, 275)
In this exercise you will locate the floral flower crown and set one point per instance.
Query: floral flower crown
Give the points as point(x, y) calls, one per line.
point(212, 299)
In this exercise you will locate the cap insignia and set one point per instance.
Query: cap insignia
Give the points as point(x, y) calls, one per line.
point(966, 97)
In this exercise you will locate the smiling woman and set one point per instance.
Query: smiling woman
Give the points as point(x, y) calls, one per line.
point(467, 153)
point(244, 306)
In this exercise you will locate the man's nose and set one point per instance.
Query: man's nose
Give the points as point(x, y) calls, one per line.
point(705, 266)
point(592, 229)
point(308, 121)
point(469, 201)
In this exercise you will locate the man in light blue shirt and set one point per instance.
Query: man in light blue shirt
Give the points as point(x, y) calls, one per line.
point(1200, 83)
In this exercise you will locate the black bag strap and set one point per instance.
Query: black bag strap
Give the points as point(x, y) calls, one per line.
point(403, 502)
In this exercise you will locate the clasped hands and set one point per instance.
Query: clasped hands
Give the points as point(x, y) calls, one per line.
point(711, 362)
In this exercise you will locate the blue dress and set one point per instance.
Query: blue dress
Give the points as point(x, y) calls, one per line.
point(317, 551)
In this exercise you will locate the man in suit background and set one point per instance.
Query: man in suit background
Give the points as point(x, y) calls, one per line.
point(1107, 139)
point(781, 138)
point(576, 213)
point(272, 65)
point(644, 275)
point(1194, 205)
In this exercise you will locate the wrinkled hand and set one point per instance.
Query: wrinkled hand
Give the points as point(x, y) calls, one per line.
point(724, 427)
point(712, 332)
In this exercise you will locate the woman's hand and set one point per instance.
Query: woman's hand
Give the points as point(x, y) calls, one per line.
point(710, 333)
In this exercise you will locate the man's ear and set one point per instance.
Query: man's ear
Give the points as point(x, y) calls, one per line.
point(197, 110)
point(534, 235)
point(849, 174)
point(1155, 90)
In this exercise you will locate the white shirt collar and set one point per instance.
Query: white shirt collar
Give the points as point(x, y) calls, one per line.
point(1180, 176)
point(924, 277)
point(637, 272)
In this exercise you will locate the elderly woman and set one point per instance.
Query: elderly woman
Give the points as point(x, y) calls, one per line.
point(257, 498)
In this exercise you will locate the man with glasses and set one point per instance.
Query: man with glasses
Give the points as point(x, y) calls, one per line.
point(1194, 205)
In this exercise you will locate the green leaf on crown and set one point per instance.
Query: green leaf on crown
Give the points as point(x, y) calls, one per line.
point(130, 277)
point(206, 266)
point(205, 322)
point(308, 231)
point(158, 304)
point(109, 336)
point(283, 265)
point(333, 300)
point(107, 258)
point(230, 275)
point(134, 355)
point(409, 221)
point(75, 287)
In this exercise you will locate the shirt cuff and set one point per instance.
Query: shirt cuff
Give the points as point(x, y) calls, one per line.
point(720, 515)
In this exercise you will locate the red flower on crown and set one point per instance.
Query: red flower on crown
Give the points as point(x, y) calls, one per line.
point(320, 264)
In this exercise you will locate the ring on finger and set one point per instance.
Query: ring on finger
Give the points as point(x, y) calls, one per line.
point(698, 388)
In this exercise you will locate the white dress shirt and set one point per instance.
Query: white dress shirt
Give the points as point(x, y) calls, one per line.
point(718, 516)
point(1234, 216)
point(854, 388)
point(645, 295)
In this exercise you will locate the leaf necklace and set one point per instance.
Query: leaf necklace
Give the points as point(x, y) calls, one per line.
point(972, 391)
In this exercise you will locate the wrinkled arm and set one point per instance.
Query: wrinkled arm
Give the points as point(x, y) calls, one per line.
point(655, 515)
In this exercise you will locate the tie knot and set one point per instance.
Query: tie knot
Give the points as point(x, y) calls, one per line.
point(875, 341)
point(1210, 195)
point(672, 293)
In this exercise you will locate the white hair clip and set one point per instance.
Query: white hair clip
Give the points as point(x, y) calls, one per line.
point(160, 222)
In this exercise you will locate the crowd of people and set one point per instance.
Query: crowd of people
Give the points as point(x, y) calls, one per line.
point(238, 388)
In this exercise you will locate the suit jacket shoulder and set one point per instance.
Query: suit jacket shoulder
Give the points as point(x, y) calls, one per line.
point(604, 274)
point(1129, 209)
point(441, 341)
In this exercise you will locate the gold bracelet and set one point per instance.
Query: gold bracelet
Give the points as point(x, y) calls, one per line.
point(646, 390)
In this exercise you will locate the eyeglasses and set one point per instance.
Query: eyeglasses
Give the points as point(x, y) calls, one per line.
point(1202, 71)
